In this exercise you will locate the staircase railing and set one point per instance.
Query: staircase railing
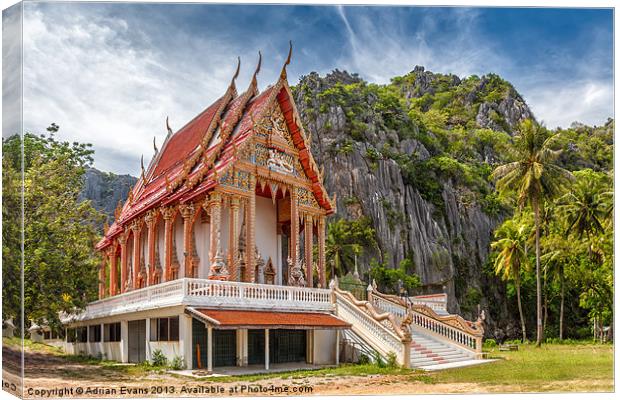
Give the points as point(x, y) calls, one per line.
point(452, 328)
point(381, 331)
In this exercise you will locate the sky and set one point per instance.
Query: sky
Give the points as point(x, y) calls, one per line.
point(110, 73)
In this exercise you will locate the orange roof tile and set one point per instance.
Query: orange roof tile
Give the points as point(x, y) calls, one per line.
point(271, 319)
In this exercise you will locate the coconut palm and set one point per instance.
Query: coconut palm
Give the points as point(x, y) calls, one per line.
point(533, 177)
point(512, 257)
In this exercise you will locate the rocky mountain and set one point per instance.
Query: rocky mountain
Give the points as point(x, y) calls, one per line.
point(105, 190)
point(413, 157)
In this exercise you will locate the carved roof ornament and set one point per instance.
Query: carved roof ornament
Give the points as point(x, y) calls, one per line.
point(155, 146)
point(142, 170)
point(288, 60)
point(168, 129)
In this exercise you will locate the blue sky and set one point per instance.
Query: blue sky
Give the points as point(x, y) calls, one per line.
point(110, 73)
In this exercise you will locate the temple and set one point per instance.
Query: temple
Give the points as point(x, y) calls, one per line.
point(217, 257)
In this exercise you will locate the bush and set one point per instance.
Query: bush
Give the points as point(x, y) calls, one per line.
point(177, 363)
point(391, 360)
point(159, 359)
point(379, 361)
point(490, 343)
point(363, 359)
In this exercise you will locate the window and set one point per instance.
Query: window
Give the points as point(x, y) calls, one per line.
point(94, 334)
point(82, 334)
point(165, 329)
point(112, 332)
point(46, 335)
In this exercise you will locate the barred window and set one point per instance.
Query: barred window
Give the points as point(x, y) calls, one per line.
point(165, 329)
point(112, 332)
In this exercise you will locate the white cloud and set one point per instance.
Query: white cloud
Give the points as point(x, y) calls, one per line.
point(11, 70)
point(93, 76)
point(561, 103)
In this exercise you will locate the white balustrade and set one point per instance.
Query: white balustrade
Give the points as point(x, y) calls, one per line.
point(432, 326)
point(372, 331)
point(205, 293)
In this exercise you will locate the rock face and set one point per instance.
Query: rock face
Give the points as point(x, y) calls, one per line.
point(448, 245)
point(105, 190)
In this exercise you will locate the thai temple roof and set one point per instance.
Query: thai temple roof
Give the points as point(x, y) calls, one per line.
point(192, 159)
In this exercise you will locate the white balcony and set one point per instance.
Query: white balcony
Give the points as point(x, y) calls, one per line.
point(210, 293)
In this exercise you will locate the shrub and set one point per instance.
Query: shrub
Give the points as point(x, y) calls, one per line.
point(391, 360)
point(159, 359)
point(177, 363)
point(490, 343)
point(379, 361)
point(363, 359)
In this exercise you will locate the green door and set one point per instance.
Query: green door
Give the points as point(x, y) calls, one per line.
point(287, 345)
point(256, 346)
point(199, 340)
point(224, 347)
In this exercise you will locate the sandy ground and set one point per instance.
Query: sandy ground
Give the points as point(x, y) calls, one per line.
point(52, 376)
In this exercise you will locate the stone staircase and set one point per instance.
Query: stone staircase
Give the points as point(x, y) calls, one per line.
point(426, 351)
point(418, 330)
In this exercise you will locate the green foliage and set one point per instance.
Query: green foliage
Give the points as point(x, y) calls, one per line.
point(391, 360)
point(379, 361)
point(178, 363)
point(387, 278)
point(60, 264)
point(158, 358)
point(346, 239)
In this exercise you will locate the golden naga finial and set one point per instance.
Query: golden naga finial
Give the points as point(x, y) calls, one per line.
point(142, 169)
point(155, 146)
point(254, 82)
point(168, 188)
point(119, 208)
point(106, 227)
point(168, 127)
point(232, 81)
point(288, 60)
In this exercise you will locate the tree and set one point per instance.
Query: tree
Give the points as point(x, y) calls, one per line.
point(512, 257)
point(533, 177)
point(60, 264)
point(346, 239)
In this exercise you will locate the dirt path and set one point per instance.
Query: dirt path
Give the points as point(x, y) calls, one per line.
point(49, 375)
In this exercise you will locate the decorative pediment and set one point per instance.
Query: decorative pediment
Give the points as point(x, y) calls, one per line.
point(272, 127)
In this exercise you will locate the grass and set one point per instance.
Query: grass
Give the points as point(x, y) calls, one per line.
point(552, 367)
point(571, 366)
point(342, 370)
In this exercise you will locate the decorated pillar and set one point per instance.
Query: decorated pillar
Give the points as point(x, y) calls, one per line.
point(321, 244)
point(123, 241)
point(168, 214)
point(136, 227)
point(250, 246)
point(151, 224)
point(233, 244)
point(113, 271)
point(294, 247)
point(308, 241)
point(215, 211)
point(187, 212)
point(102, 275)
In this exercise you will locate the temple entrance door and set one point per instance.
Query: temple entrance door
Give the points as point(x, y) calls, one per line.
point(136, 341)
point(287, 345)
point(256, 346)
point(224, 347)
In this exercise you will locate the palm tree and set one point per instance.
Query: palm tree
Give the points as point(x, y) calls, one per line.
point(512, 257)
point(587, 205)
point(555, 261)
point(533, 177)
point(341, 255)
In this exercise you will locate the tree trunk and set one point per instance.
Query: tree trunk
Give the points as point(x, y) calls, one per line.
point(545, 305)
point(521, 312)
point(539, 327)
point(561, 304)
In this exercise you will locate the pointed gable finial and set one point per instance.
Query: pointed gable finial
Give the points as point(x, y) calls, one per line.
point(232, 81)
point(260, 60)
point(155, 146)
point(168, 127)
point(142, 169)
point(288, 60)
